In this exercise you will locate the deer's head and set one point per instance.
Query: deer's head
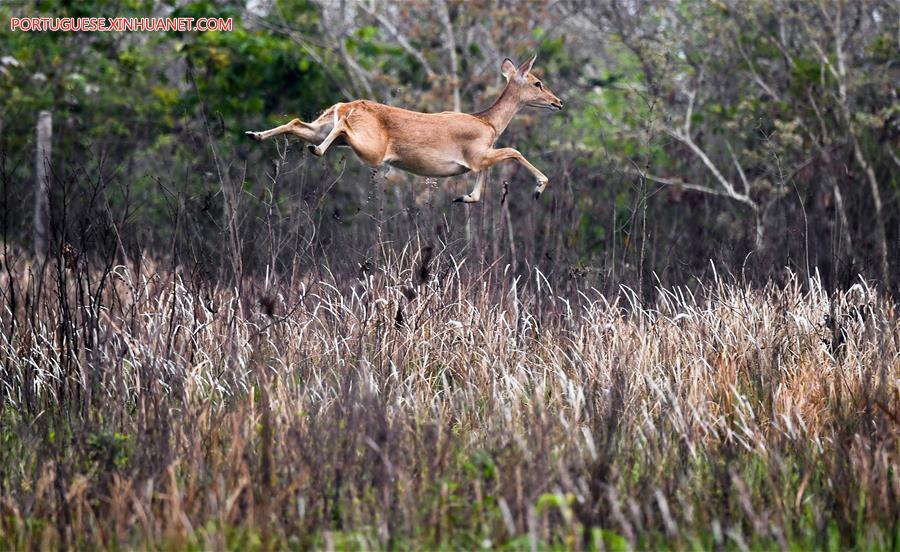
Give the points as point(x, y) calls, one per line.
point(528, 90)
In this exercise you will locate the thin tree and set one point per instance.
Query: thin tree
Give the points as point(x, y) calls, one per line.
point(42, 180)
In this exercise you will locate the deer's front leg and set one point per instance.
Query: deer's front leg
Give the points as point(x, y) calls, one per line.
point(492, 157)
point(475, 195)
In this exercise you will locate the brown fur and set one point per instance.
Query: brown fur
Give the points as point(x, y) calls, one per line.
point(427, 144)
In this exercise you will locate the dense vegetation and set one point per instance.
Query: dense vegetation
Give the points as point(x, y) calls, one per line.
point(144, 408)
point(691, 340)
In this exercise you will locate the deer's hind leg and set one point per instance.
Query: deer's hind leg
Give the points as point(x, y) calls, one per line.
point(305, 131)
point(338, 127)
point(314, 132)
point(361, 131)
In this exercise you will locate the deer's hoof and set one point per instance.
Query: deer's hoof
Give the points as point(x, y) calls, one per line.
point(253, 135)
point(537, 195)
point(314, 150)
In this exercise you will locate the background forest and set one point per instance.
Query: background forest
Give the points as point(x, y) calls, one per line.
point(690, 340)
point(759, 135)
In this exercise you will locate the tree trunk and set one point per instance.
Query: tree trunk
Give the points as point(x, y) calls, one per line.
point(880, 234)
point(444, 14)
point(42, 181)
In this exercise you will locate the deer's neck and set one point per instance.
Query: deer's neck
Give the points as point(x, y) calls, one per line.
point(501, 112)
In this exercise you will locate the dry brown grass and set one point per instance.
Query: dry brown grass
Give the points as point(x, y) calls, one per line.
point(146, 409)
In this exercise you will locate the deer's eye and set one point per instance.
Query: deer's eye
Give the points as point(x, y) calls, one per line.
point(539, 85)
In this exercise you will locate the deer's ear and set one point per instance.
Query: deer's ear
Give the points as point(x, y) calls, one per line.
point(508, 68)
point(525, 68)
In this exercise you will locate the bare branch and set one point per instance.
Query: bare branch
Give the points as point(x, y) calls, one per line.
point(756, 77)
point(676, 182)
point(740, 169)
point(305, 44)
point(893, 157)
point(690, 112)
point(362, 76)
point(724, 182)
point(400, 37)
point(338, 32)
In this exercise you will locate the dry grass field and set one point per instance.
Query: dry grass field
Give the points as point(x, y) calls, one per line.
point(425, 406)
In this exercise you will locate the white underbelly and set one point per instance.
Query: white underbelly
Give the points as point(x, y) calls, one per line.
point(442, 168)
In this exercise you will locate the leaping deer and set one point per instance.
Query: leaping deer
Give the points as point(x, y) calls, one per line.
point(429, 144)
